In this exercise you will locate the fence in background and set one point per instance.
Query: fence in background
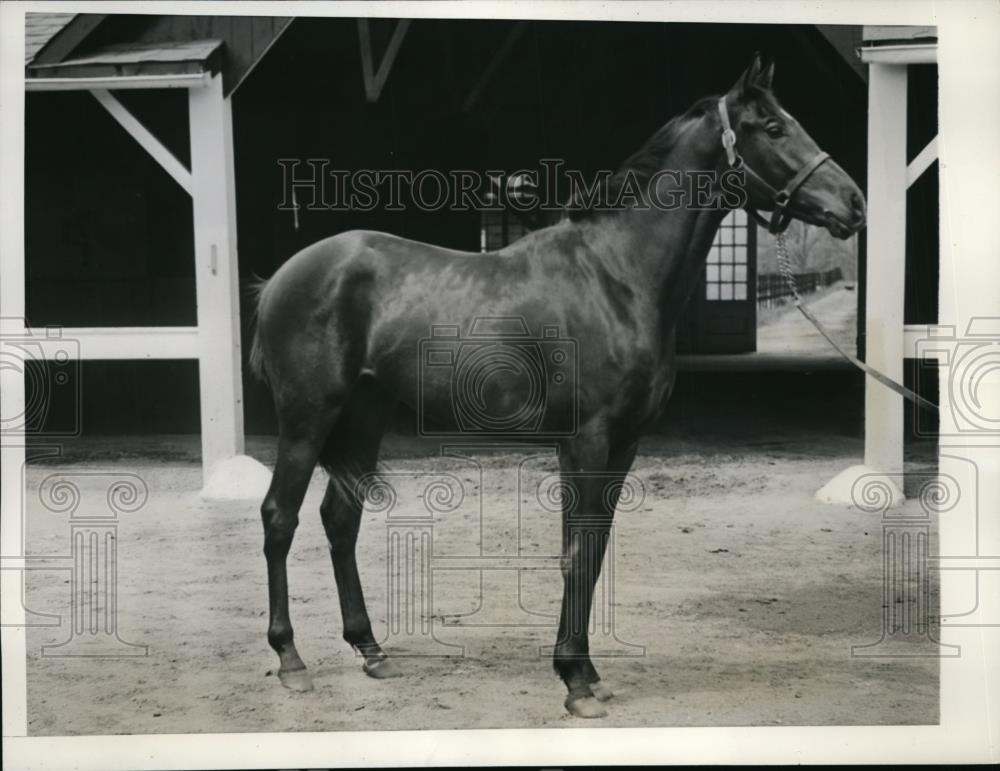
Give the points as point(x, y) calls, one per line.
point(772, 288)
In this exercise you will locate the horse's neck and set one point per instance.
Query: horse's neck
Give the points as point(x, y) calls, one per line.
point(667, 249)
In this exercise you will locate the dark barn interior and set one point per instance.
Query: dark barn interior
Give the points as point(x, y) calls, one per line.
point(109, 236)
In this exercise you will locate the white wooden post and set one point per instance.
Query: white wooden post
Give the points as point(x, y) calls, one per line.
point(216, 274)
point(886, 263)
point(217, 280)
point(13, 639)
point(885, 275)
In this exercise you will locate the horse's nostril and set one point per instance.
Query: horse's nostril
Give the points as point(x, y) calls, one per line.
point(858, 203)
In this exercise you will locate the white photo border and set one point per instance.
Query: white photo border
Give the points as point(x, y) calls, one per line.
point(969, 78)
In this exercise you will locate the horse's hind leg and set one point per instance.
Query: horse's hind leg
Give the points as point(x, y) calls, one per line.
point(352, 453)
point(297, 458)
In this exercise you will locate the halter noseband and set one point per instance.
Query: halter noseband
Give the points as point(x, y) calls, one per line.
point(780, 218)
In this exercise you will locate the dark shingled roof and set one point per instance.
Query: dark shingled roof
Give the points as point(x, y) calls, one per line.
point(39, 29)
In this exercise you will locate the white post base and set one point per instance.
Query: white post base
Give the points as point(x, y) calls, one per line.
point(863, 487)
point(240, 478)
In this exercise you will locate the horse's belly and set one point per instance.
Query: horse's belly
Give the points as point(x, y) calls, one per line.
point(496, 388)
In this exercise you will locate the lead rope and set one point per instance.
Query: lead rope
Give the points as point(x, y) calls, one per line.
point(784, 265)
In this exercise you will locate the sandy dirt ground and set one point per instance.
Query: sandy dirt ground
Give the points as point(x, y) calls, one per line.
point(790, 332)
point(735, 599)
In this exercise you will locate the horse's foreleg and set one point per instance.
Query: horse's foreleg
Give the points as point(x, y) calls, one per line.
point(619, 464)
point(280, 515)
point(588, 513)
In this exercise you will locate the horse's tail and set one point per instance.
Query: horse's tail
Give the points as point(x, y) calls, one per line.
point(255, 289)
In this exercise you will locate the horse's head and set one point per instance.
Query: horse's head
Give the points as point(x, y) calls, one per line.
point(786, 172)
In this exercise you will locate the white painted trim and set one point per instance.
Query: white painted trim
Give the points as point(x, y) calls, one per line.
point(192, 80)
point(13, 616)
point(375, 80)
point(912, 335)
point(917, 53)
point(122, 343)
point(216, 275)
point(498, 59)
point(167, 160)
point(886, 266)
point(922, 162)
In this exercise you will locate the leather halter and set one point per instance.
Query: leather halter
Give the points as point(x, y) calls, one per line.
point(780, 217)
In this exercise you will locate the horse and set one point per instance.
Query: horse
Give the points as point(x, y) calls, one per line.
point(340, 325)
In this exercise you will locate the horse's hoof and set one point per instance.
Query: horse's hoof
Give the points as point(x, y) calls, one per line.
point(381, 669)
point(296, 679)
point(585, 706)
point(601, 691)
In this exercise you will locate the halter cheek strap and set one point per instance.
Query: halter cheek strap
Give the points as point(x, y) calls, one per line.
point(780, 216)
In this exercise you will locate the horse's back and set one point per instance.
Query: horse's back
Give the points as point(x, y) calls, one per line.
point(322, 300)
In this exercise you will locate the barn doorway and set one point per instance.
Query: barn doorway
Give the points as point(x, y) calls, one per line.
point(722, 313)
point(743, 305)
point(826, 271)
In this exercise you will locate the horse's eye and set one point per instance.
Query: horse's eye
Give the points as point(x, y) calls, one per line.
point(774, 131)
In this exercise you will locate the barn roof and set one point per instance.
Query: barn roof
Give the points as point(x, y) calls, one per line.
point(66, 45)
point(126, 59)
point(887, 35)
point(40, 28)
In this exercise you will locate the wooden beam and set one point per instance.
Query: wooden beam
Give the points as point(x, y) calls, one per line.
point(917, 53)
point(912, 335)
point(68, 38)
point(498, 58)
point(882, 33)
point(167, 160)
point(886, 265)
point(450, 74)
point(921, 163)
point(118, 82)
point(216, 275)
point(120, 343)
point(375, 79)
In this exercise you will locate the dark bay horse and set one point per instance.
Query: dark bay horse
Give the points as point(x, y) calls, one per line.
point(339, 329)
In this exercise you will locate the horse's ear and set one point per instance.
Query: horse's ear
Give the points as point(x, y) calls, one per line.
point(750, 77)
point(765, 78)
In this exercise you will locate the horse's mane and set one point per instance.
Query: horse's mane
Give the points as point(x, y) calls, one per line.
point(650, 158)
